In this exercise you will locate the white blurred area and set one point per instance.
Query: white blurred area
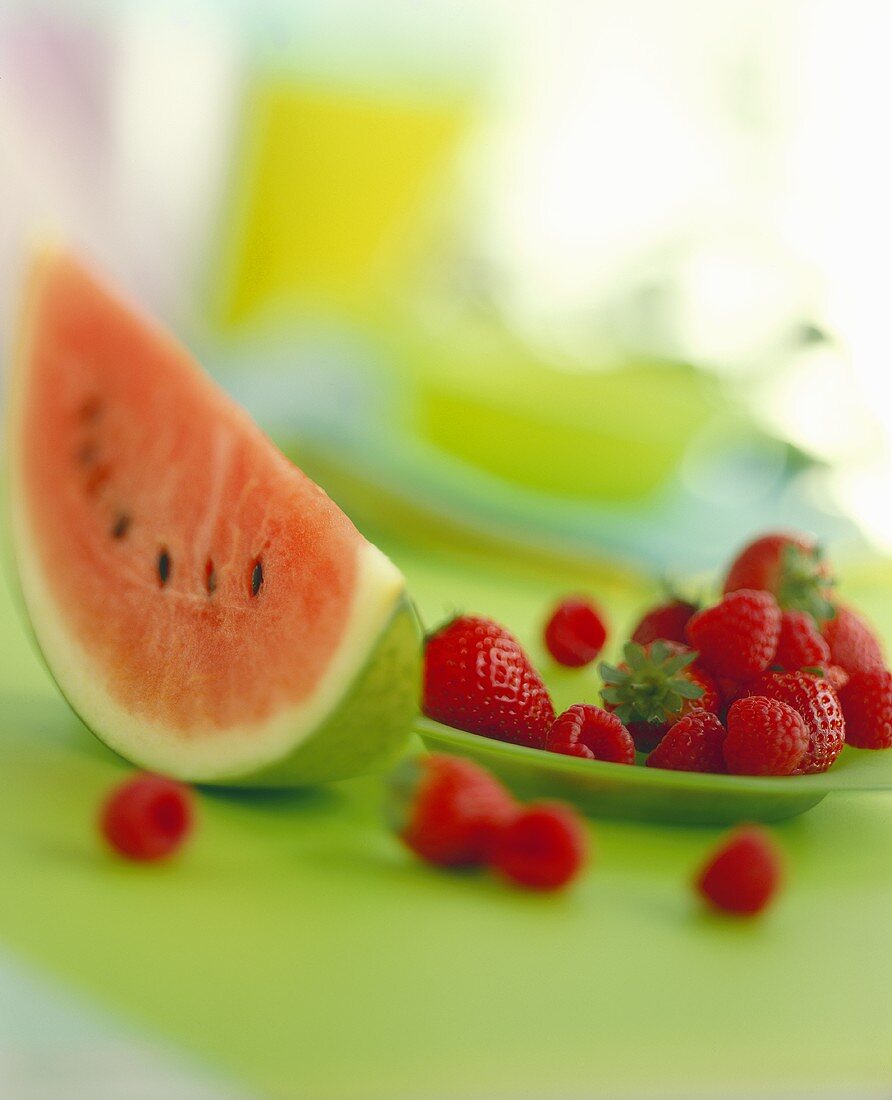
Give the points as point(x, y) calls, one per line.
point(707, 181)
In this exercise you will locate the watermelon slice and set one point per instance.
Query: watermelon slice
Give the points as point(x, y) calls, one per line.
point(206, 609)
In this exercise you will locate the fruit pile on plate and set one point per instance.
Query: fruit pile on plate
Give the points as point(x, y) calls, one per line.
point(773, 678)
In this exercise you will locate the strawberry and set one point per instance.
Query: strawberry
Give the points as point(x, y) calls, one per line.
point(448, 810)
point(816, 702)
point(743, 874)
point(478, 678)
point(866, 702)
point(666, 620)
point(836, 677)
point(789, 566)
point(693, 744)
point(853, 645)
point(575, 632)
point(655, 686)
point(543, 848)
point(737, 637)
point(800, 645)
point(764, 737)
point(590, 732)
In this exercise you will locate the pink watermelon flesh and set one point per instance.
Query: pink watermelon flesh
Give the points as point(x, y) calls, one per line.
point(202, 586)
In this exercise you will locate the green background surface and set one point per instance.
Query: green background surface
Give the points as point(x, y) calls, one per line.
point(298, 947)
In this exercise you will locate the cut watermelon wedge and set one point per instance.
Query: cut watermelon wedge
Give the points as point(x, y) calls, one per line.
point(206, 609)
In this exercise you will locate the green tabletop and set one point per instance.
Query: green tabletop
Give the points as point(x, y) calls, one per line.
point(298, 948)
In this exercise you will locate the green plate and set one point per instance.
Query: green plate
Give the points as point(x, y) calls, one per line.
point(650, 794)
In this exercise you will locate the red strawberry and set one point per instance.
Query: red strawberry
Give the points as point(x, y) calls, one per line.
point(655, 686)
point(800, 645)
point(666, 621)
point(448, 810)
point(575, 633)
point(866, 702)
point(836, 677)
point(853, 645)
point(764, 737)
point(737, 637)
point(693, 744)
point(543, 848)
point(815, 700)
point(789, 566)
point(147, 817)
point(478, 678)
point(743, 874)
point(593, 733)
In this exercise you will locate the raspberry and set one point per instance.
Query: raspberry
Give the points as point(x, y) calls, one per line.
point(655, 686)
point(764, 737)
point(693, 744)
point(543, 848)
point(666, 621)
point(448, 810)
point(867, 705)
point(816, 702)
point(589, 731)
point(744, 872)
point(853, 645)
point(478, 678)
point(738, 636)
point(800, 645)
point(790, 567)
point(575, 633)
point(147, 817)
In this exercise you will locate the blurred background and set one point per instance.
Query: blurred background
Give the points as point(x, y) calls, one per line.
point(580, 278)
point(586, 280)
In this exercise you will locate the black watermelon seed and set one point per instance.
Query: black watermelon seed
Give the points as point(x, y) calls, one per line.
point(256, 577)
point(87, 453)
point(122, 525)
point(164, 566)
point(210, 577)
point(90, 409)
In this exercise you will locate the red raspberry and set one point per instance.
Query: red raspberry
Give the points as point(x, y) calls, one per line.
point(589, 731)
point(478, 678)
point(665, 621)
point(764, 737)
point(655, 686)
point(789, 566)
point(448, 810)
point(693, 744)
point(867, 705)
point(147, 817)
point(853, 645)
point(800, 645)
point(543, 848)
point(816, 701)
point(738, 636)
point(743, 874)
point(575, 633)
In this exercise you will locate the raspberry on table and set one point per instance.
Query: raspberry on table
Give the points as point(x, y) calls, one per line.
point(866, 702)
point(575, 632)
point(694, 744)
point(765, 737)
point(148, 817)
point(591, 732)
point(737, 637)
point(543, 848)
point(743, 874)
point(448, 810)
point(800, 644)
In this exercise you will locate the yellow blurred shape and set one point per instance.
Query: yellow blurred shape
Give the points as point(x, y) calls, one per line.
point(327, 188)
